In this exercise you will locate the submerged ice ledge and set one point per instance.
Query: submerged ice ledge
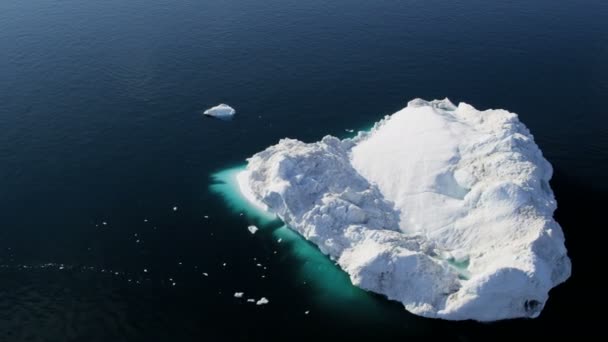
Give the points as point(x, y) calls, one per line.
point(443, 208)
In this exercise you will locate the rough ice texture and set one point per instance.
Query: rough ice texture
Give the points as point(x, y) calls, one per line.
point(221, 111)
point(443, 208)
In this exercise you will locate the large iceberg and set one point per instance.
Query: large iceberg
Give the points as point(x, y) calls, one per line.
point(443, 208)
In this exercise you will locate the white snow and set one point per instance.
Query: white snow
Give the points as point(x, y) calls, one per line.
point(252, 229)
point(262, 301)
point(443, 208)
point(221, 111)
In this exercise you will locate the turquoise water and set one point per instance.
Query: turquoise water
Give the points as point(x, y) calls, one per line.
point(332, 287)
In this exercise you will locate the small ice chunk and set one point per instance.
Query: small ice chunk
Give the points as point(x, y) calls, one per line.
point(349, 130)
point(238, 295)
point(279, 240)
point(175, 208)
point(145, 270)
point(252, 229)
point(205, 274)
point(250, 300)
point(221, 111)
point(306, 312)
point(262, 301)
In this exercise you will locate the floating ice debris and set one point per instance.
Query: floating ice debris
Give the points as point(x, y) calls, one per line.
point(349, 130)
point(179, 263)
point(262, 301)
point(279, 240)
point(306, 312)
point(206, 216)
point(205, 274)
point(238, 294)
point(258, 265)
point(145, 220)
point(61, 267)
point(221, 111)
point(145, 270)
point(173, 284)
point(252, 229)
point(104, 223)
point(174, 208)
point(137, 241)
point(250, 300)
point(224, 264)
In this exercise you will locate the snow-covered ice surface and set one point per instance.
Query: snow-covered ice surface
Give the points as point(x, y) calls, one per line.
point(221, 111)
point(444, 208)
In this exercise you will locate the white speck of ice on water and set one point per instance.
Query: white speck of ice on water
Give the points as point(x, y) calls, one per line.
point(205, 274)
point(145, 270)
point(262, 301)
point(306, 312)
point(279, 240)
point(252, 229)
point(175, 208)
point(238, 294)
point(251, 300)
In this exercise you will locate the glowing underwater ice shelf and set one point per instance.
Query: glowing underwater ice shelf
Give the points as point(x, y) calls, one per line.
point(331, 285)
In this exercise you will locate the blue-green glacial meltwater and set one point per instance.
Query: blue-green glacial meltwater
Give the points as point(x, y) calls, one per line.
point(332, 289)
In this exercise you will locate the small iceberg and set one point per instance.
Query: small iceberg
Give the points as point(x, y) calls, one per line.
point(221, 111)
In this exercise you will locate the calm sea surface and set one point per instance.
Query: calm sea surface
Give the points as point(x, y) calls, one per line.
point(113, 219)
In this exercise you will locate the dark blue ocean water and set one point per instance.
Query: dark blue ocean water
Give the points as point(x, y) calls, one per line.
point(100, 122)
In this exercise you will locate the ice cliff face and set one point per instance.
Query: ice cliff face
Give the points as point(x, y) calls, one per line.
point(446, 209)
